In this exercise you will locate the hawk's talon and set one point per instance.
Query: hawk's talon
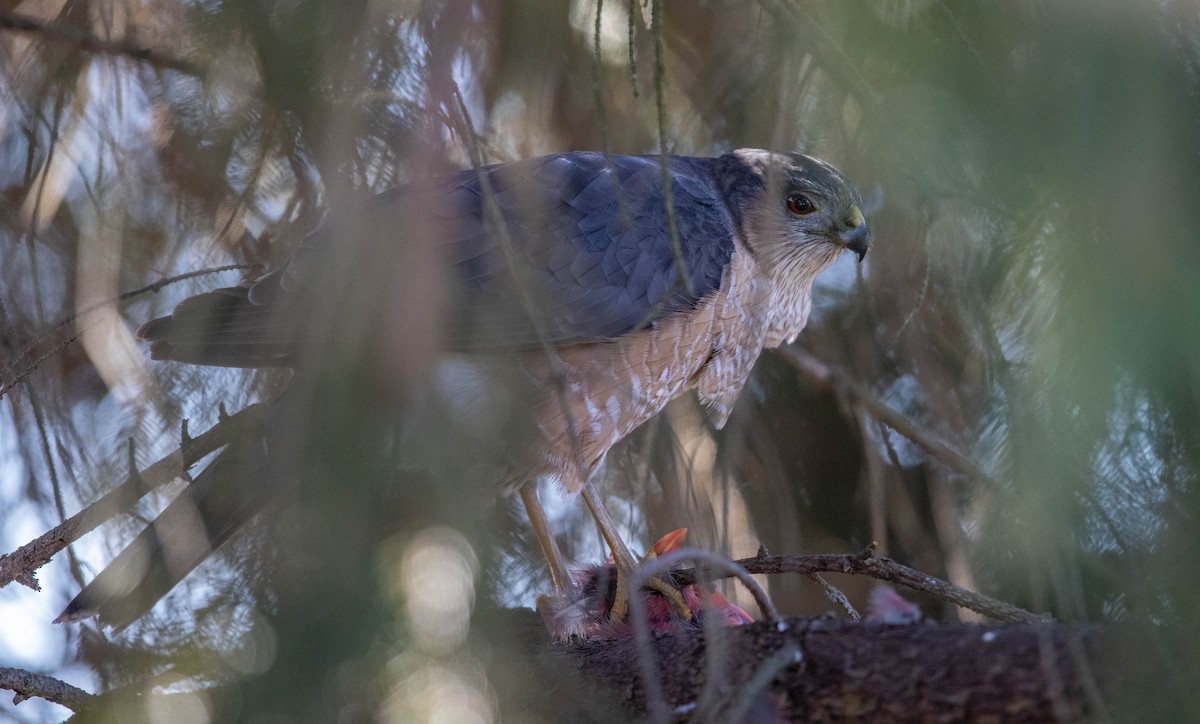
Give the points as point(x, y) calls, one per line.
point(620, 607)
point(673, 596)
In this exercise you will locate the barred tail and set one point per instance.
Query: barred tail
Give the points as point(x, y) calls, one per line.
point(224, 328)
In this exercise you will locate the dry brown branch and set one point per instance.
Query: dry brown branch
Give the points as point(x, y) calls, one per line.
point(58, 33)
point(824, 375)
point(833, 594)
point(885, 569)
point(21, 564)
point(27, 685)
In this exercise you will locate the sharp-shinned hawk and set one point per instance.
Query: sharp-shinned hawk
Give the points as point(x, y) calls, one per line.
point(581, 267)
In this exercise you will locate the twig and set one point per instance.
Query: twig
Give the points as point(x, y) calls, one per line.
point(59, 33)
point(633, 76)
point(26, 685)
point(598, 79)
point(656, 700)
point(826, 376)
point(924, 290)
point(16, 380)
point(884, 569)
point(660, 75)
point(495, 216)
point(833, 594)
point(21, 564)
point(152, 288)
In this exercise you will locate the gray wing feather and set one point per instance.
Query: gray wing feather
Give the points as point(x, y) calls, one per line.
point(592, 247)
point(570, 248)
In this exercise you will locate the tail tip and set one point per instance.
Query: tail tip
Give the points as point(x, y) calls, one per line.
point(76, 611)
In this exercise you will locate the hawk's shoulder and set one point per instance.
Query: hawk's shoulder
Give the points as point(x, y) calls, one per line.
point(578, 246)
point(573, 247)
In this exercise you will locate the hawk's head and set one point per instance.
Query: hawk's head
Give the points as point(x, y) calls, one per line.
point(798, 212)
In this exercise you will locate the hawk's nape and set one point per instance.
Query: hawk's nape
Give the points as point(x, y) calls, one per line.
point(580, 255)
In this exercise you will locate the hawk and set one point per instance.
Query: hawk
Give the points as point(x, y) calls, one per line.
point(622, 282)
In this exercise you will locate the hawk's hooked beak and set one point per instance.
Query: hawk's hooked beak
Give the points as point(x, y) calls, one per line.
point(856, 237)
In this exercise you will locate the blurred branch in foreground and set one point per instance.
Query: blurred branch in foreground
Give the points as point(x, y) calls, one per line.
point(21, 564)
point(828, 376)
point(60, 33)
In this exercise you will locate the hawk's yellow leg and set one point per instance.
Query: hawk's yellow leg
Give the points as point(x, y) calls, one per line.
point(541, 531)
point(626, 562)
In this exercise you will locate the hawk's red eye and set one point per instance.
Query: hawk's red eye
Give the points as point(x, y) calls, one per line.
point(800, 205)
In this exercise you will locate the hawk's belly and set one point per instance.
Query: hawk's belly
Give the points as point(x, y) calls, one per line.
point(601, 392)
point(593, 395)
point(596, 394)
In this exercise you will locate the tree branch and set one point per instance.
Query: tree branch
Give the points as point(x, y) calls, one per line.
point(847, 671)
point(885, 569)
point(152, 288)
point(826, 376)
point(59, 33)
point(21, 564)
point(26, 685)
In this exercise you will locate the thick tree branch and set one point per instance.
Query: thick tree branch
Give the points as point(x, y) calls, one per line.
point(27, 685)
point(58, 33)
point(831, 670)
point(885, 569)
point(21, 564)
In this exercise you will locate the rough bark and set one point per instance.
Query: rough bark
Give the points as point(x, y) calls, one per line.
point(835, 670)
